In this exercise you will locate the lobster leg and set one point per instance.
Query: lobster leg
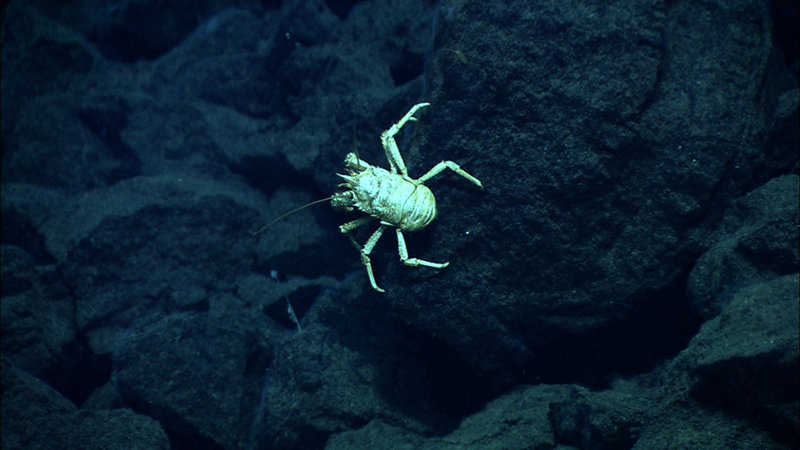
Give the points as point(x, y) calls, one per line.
point(437, 169)
point(414, 262)
point(390, 145)
point(367, 248)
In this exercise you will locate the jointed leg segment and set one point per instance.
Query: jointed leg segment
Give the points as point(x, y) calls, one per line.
point(390, 145)
point(414, 262)
point(437, 169)
point(367, 248)
point(352, 225)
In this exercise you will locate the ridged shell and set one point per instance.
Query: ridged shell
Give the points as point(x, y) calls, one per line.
point(393, 199)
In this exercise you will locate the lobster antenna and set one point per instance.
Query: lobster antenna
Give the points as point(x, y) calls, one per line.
point(285, 215)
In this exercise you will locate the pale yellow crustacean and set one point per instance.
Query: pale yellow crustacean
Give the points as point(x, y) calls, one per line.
point(390, 196)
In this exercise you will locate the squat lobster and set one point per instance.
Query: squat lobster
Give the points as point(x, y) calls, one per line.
point(392, 197)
